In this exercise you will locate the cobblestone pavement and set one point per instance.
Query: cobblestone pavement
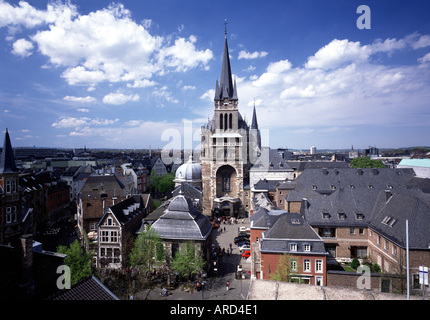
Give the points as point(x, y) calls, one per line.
point(215, 288)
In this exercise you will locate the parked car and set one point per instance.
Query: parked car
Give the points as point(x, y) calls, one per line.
point(246, 254)
point(243, 234)
point(237, 239)
point(245, 247)
point(243, 243)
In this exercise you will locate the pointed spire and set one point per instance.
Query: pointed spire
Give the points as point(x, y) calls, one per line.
point(254, 124)
point(226, 88)
point(7, 161)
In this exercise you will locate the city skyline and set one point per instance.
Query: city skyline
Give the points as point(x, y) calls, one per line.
point(138, 74)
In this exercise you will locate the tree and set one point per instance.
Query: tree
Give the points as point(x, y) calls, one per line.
point(148, 251)
point(285, 268)
point(162, 183)
point(187, 261)
point(77, 260)
point(366, 162)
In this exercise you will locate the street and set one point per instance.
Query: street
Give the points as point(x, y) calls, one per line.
point(215, 286)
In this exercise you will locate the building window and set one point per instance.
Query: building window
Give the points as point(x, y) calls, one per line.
point(104, 236)
point(318, 266)
point(8, 186)
point(306, 265)
point(226, 180)
point(361, 231)
point(114, 236)
point(394, 251)
point(326, 215)
point(293, 264)
point(342, 215)
point(11, 215)
point(293, 247)
point(351, 230)
point(307, 247)
point(327, 232)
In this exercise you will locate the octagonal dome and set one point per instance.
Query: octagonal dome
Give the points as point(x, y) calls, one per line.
point(189, 172)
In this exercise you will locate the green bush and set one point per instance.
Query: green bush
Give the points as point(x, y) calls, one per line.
point(376, 267)
point(355, 263)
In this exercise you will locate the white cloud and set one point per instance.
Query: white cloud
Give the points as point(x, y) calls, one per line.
point(82, 122)
point(254, 55)
point(183, 55)
point(185, 88)
point(86, 99)
point(339, 87)
point(22, 48)
point(26, 15)
point(425, 59)
point(164, 93)
point(142, 84)
point(119, 98)
point(83, 110)
point(103, 45)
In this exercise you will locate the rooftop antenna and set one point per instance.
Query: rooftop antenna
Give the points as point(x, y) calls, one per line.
point(225, 26)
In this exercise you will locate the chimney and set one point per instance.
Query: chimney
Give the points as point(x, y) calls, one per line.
point(27, 258)
point(388, 195)
point(304, 206)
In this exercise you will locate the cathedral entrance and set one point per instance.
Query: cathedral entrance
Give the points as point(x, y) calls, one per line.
point(227, 207)
point(226, 181)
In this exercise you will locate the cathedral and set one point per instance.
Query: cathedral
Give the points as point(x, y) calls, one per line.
point(229, 147)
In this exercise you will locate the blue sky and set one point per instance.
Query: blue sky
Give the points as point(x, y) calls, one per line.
point(131, 74)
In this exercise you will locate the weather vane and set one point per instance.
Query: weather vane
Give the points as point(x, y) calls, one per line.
point(225, 25)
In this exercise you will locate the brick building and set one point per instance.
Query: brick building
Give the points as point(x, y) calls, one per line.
point(276, 233)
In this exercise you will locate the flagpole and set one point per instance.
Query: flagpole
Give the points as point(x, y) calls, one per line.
point(407, 259)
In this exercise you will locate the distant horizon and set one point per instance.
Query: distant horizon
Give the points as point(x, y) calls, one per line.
point(156, 148)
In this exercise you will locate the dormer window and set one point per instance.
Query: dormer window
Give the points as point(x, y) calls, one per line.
point(341, 215)
point(307, 247)
point(326, 215)
point(359, 216)
point(293, 246)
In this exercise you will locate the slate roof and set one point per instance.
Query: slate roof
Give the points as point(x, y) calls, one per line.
point(182, 221)
point(291, 228)
point(344, 207)
point(98, 184)
point(118, 209)
point(389, 217)
point(270, 160)
point(314, 183)
point(89, 288)
point(381, 199)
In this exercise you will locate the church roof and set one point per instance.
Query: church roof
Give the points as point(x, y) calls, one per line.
point(7, 161)
point(182, 221)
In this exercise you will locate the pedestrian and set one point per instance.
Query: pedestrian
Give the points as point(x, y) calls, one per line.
point(227, 285)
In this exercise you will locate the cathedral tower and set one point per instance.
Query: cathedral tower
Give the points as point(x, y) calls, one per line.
point(226, 149)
